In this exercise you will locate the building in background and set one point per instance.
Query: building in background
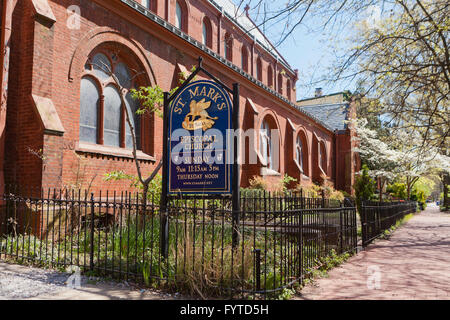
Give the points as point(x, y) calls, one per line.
point(337, 110)
point(62, 120)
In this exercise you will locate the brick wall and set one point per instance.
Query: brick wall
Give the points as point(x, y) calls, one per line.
point(48, 59)
point(24, 139)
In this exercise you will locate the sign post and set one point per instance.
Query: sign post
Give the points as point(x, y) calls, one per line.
point(236, 201)
point(164, 212)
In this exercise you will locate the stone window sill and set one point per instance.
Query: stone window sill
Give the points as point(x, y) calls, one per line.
point(305, 177)
point(269, 172)
point(84, 147)
point(322, 172)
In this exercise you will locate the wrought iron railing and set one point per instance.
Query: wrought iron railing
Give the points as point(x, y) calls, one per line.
point(377, 217)
point(282, 237)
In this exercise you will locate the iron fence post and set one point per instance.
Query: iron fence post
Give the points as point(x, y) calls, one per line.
point(300, 276)
point(236, 183)
point(341, 233)
point(91, 253)
point(258, 269)
point(164, 232)
point(363, 224)
point(323, 199)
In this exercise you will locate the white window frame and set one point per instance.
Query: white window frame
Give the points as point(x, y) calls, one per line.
point(204, 33)
point(178, 16)
point(266, 144)
point(299, 148)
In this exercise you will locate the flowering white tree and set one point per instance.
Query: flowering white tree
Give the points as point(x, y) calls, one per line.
point(379, 156)
point(417, 159)
point(401, 157)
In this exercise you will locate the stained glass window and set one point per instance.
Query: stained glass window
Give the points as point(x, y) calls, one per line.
point(90, 97)
point(116, 132)
point(112, 117)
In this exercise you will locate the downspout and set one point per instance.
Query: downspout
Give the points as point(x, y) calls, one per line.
point(335, 167)
point(219, 31)
point(275, 74)
point(253, 59)
point(4, 68)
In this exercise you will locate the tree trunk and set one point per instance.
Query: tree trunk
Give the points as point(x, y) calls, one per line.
point(408, 189)
point(381, 184)
point(445, 181)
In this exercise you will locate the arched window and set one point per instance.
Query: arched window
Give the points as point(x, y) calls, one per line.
point(280, 83)
point(207, 32)
point(299, 149)
point(323, 157)
point(179, 16)
point(228, 47)
point(288, 89)
point(259, 69)
point(265, 143)
point(147, 4)
point(270, 77)
point(89, 108)
point(102, 109)
point(150, 5)
point(244, 58)
point(301, 153)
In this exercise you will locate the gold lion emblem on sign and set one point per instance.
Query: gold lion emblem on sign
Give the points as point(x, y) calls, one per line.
point(199, 118)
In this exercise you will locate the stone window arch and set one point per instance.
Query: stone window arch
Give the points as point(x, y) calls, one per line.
point(102, 104)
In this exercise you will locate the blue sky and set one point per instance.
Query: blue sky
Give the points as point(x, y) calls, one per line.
point(311, 55)
point(310, 50)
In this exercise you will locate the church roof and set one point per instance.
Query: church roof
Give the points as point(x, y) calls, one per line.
point(334, 115)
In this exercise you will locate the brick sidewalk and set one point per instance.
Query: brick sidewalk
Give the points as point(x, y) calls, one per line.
point(413, 264)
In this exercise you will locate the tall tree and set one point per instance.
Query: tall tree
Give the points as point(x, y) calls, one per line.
point(401, 158)
point(401, 54)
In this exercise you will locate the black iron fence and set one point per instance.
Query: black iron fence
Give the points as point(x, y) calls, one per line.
point(377, 217)
point(282, 238)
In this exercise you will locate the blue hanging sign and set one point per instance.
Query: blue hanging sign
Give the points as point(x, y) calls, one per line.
point(199, 123)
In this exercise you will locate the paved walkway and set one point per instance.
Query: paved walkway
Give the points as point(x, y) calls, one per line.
point(413, 264)
point(26, 283)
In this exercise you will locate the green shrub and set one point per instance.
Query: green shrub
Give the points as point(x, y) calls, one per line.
point(286, 181)
point(364, 187)
point(420, 197)
point(258, 183)
point(397, 190)
point(310, 190)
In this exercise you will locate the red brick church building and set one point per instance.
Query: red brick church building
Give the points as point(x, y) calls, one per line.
point(62, 122)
